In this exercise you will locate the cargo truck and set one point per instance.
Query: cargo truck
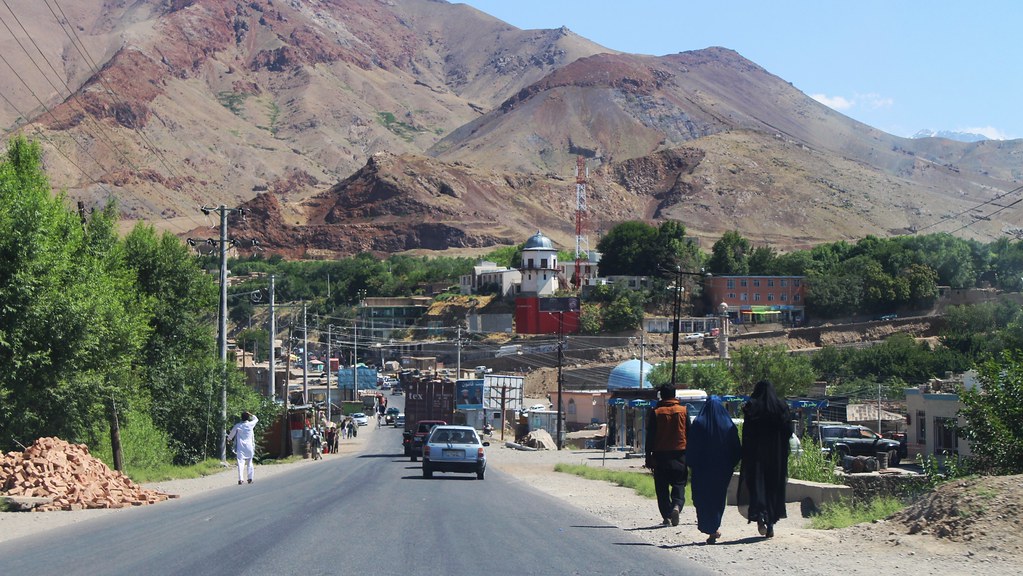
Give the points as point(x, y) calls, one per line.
point(427, 402)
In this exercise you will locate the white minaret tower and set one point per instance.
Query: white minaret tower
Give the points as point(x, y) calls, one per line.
point(539, 266)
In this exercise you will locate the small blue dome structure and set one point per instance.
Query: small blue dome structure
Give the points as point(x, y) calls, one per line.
point(626, 375)
point(538, 242)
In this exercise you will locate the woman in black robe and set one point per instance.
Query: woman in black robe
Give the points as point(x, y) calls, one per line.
point(712, 452)
point(763, 475)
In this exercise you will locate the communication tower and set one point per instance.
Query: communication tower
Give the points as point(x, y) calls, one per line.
point(581, 173)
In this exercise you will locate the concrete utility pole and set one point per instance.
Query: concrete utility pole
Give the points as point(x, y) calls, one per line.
point(305, 357)
point(223, 211)
point(272, 388)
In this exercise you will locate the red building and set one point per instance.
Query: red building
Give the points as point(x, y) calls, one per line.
point(758, 299)
point(546, 315)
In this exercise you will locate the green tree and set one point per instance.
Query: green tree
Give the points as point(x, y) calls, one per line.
point(70, 322)
point(730, 255)
point(791, 375)
point(627, 250)
point(993, 415)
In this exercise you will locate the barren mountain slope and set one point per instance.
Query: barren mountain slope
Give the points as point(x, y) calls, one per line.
point(210, 101)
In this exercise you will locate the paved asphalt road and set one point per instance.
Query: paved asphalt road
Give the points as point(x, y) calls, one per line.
point(370, 514)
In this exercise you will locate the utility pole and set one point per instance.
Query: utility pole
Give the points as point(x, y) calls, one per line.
point(271, 385)
point(561, 361)
point(458, 364)
point(305, 358)
point(223, 211)
point(675, 321)
point(328, 370)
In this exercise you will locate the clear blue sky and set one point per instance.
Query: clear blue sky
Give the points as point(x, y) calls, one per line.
point(898, 65)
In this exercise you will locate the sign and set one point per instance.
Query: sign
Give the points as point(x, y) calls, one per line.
point(469, 394)
point(567, 304)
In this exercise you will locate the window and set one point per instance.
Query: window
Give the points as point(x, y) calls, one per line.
point(770, 282)
point(571, 406)
point(543, 262)
point(795, 297)
point(743, 282)
point(921, 427)
point(756, 296)
point(784, 282)
point(945, 439)
point(744, 296)
point(795, 283)
point(529, 263)
point(731, 295)
point(756, 282)
point(783, 297)
point(731, 284)
point(770, 296)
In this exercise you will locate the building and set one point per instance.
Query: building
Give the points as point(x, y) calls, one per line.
point(932, 416)
point(759, 299)
point(379, 317)
point(539, 267)
point(486, 274)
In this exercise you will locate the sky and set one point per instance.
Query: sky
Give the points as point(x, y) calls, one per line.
point(898, 65)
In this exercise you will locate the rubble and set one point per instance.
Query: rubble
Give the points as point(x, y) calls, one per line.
point(68, 478)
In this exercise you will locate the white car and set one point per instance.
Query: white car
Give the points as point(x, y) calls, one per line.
point(360, 419)
point(693, 337)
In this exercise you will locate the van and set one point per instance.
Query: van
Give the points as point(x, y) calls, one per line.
point(693, 400)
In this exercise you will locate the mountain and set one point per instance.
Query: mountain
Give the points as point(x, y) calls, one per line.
point(950, 135)
point(355, 125)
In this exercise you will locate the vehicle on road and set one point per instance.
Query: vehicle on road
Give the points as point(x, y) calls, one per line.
point(414, 440)
point(454, 449)
point(390, 415)
point(853, 440)
point(361, 419)
point(399, 421)
point(693, 337)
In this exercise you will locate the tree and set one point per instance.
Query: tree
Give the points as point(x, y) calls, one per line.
point(627, 250)
point(730, 255)
point(791, 375)
point(71, 324)
point(993, 415)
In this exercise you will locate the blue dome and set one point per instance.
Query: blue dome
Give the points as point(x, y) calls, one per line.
point(626, 375)
point(538, 242)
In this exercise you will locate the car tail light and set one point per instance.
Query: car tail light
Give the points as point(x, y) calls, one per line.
point(479, 453)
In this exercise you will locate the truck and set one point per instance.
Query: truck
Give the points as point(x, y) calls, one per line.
point(428, 401)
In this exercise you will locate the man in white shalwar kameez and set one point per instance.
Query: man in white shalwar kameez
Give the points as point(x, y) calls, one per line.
point(244, 445)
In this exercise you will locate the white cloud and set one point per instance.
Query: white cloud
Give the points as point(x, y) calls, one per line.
point(874, 101)
point(833, 102)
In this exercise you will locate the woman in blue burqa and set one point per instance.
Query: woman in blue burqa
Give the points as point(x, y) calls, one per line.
point(766, 430)
point(712, 453)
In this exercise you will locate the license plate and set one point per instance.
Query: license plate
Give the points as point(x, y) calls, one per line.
point(449, 453)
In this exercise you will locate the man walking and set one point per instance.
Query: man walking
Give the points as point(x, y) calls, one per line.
point(666, 431)
point(244, 445)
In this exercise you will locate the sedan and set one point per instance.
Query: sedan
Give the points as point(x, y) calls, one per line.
point(454, 449)
point(360, 419)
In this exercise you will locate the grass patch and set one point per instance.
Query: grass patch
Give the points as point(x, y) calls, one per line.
point(842, 514)
point(232, 101)
point(208, 467)
point(406, 132)
point(641, 482)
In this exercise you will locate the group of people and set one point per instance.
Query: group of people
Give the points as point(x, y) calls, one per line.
point(709, 450)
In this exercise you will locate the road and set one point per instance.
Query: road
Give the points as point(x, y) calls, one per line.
point(370, 513)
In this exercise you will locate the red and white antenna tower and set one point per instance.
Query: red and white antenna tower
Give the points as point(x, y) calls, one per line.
point(581, 173)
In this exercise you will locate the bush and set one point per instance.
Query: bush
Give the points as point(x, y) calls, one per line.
point(842, 514)
point(813, 465)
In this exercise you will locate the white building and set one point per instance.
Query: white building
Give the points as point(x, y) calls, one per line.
point(539, 266)
point(486, 273)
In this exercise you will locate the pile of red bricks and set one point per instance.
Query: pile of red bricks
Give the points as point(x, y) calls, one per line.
point(71, 477)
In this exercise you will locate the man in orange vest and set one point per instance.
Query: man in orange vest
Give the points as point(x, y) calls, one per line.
point(666, 453)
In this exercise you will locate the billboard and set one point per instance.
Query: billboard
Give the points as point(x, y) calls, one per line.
point(469, 394)
point(567, 304)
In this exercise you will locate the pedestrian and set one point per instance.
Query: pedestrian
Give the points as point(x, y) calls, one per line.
point(666, 431)
point(713, 451)
point(766, 430)
point(331, 437)
point(244, 445)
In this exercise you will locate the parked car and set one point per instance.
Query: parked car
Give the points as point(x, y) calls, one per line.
point(454, 449)
point(399, 421)
point(693, 337)
point(361, 419)
point(852, 440)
